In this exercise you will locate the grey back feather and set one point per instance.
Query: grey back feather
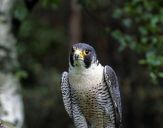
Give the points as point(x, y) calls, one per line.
point(112, 83)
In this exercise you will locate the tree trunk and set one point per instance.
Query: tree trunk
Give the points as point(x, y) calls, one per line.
point(11, 107)
point(75, 22)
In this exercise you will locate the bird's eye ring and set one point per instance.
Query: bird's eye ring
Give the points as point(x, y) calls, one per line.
point(86, 52)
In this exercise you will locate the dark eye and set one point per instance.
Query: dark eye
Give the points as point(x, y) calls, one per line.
point(86, 52)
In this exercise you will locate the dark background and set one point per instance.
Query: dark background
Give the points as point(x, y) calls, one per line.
point(127, 35)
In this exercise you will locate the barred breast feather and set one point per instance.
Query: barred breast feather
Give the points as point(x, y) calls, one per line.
point(94, 97)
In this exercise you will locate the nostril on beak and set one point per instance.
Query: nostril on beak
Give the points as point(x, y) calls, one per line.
point(76, 56)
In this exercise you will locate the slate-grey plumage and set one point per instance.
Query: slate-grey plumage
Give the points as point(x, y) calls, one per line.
point(90, 91)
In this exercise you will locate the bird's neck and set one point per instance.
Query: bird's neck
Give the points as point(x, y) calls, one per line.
point(83, 70)
point(86, 78)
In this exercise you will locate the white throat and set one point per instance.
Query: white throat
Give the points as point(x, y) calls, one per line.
point(82, 78)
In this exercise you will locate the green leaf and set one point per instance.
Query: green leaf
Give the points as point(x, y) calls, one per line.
point(117, 13)
point(142, 61)
point(127, 22)
point(21, 74)
point(152, 59)
point(143, 30)
point(20, 13)
point(160, 74)
point(153, 76)
point(53, 3)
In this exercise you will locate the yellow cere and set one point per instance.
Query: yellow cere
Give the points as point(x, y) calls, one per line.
point(80, 53)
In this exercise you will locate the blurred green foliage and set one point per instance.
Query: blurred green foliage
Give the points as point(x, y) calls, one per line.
point(41, 52)
point(37, 38)
point(52, 3)
point(142, 29)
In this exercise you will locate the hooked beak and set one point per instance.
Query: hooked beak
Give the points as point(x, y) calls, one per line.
point(78, 55)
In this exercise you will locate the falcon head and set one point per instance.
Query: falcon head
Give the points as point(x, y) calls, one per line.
point(82, 55)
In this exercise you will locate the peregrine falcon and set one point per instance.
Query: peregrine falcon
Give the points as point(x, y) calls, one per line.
point(90, 91)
